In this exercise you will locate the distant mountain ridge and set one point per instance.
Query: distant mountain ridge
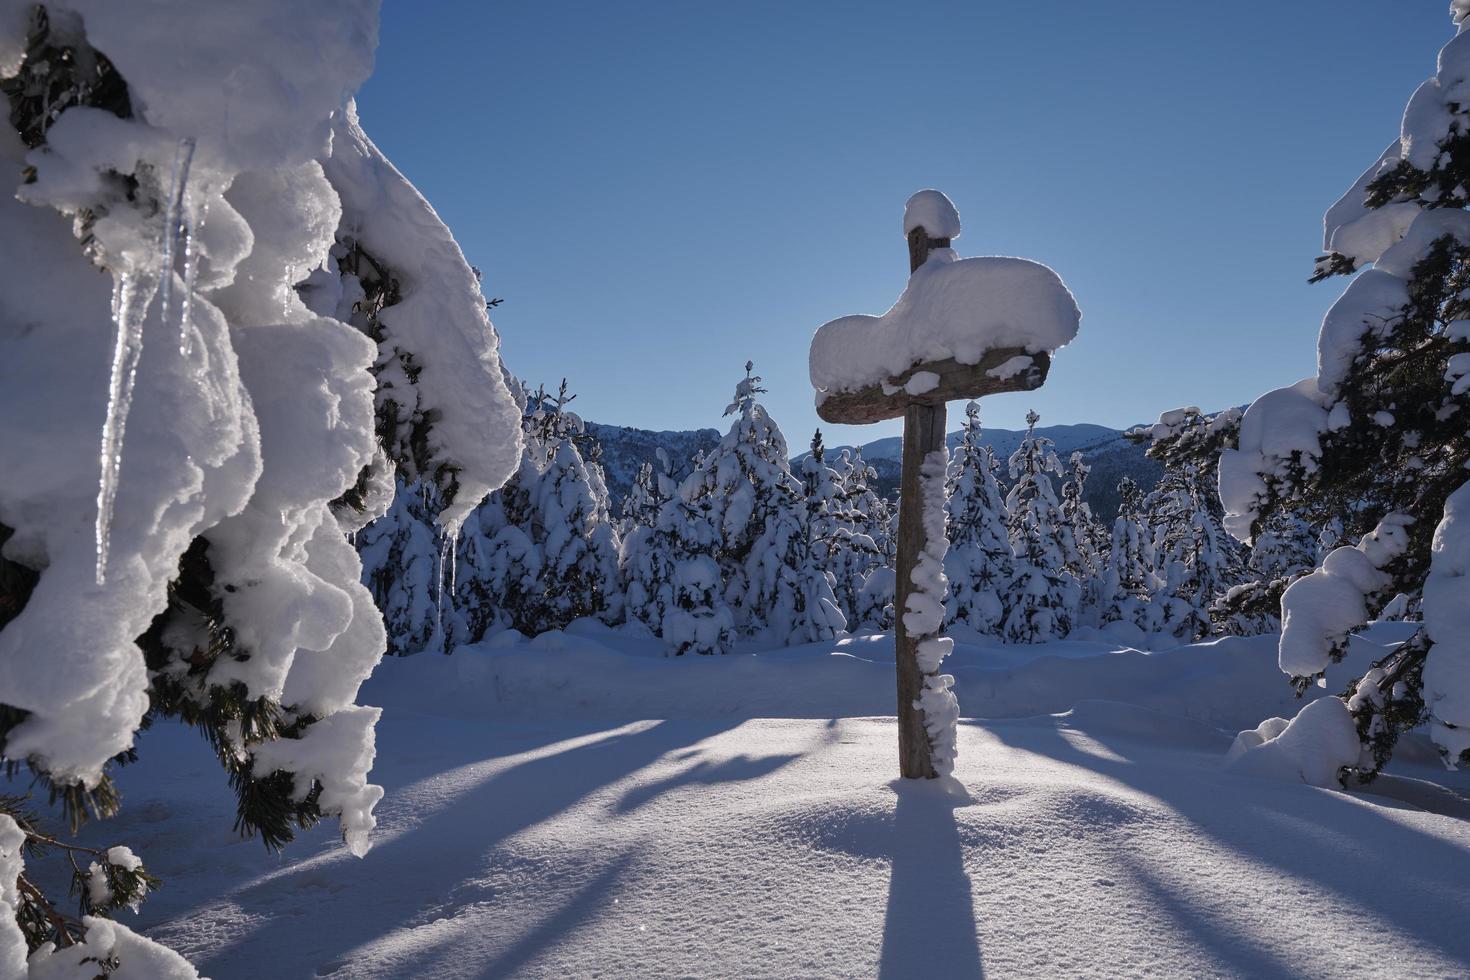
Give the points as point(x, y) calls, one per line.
point(1110, 455)
point(624, 449)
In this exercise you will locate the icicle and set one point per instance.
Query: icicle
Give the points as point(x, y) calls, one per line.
point(446, 548)
point(131, 297)
point(192, 226)
point(453, 563)
point(173, 209)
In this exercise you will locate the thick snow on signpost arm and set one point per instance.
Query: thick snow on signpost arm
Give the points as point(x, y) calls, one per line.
point(951, 307)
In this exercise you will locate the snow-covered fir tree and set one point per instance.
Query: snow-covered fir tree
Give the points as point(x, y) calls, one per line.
point(980, 564)
point(648, 552)
point(1183, 555)
point(1084, 539)
point(1377, 439)
point(543, 550)
point(580, 547)
point(672, 581)
point(1285, 550)
point(823, 553)
point(402, 558)
point(745, 491)
point(841, 527)
point(1128, 579)
point(652, 486)
point(1196, 562)
point(497, 584)
point(1043, 595)
point(285, 323)
point(868, 602)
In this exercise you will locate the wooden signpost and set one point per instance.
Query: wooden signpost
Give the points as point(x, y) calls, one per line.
point(923, 433)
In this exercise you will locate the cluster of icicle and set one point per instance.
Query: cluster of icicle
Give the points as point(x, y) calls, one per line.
point(132, 295)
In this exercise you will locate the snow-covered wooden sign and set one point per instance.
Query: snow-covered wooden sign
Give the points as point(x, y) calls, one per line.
point(963, 328)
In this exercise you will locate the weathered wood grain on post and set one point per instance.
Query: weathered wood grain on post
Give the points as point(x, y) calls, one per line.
point(956, 381)
point(923, 433)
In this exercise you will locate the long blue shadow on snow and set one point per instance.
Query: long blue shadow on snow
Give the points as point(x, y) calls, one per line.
point(560, 928)
point(1382, 866)
point(403, 878)
point(929, 928)
point(740, 768)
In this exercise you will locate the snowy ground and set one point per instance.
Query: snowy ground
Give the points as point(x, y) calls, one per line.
point(574, 807)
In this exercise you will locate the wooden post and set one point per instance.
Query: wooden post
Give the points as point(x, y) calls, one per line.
point(922, 409)
point(923, 433)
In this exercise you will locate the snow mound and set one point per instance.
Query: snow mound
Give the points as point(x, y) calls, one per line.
point(952, 307)
point(1313, 747)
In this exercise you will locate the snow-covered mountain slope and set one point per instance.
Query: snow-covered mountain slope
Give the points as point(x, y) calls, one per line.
point(1111, 456)
point(624, 449)
point(1003, 442)
point(720, 817)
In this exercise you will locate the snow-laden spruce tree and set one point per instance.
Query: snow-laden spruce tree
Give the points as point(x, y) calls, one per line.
point(402, 559)
point(648, 552)
point(1377, 440)
point(653, 484)
point(670, 578)
point(1127, 578)
point(980, 562)
point(581, 545)
point(543, 550)
point(843, 552)
point(745, 491)
point(1043, 596)
point(809, 611)
point(1084, 539)
point(868, 602)
point(1284, 550)
point(256, 320)
point(1196, 562)
point(1192, 556)
point(497, 583)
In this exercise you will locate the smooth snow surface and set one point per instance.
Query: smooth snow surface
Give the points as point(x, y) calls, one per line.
point(542, 821)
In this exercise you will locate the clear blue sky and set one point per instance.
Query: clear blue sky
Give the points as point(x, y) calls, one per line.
point(661, 190)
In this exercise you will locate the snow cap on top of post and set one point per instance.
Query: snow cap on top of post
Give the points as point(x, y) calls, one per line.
point(932, 211)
